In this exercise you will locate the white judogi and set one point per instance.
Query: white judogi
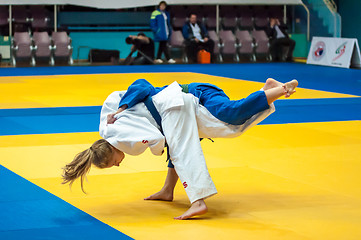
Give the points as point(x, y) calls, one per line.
point(184, 121)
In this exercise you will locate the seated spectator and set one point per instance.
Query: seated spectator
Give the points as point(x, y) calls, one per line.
point(196, 38)
point(162, 30)
point(145, 47)
point(278, 38)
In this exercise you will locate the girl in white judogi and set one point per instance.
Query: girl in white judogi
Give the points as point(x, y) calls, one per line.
point(183, 121)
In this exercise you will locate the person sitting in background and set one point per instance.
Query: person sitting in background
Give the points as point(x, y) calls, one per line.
point(161, 27)
point(196, 38)
point(145, 47)
point(279, 38)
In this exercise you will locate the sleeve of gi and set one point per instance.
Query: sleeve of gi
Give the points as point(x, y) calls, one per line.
point(133, 134)
point(134, 131)
point(136, 93)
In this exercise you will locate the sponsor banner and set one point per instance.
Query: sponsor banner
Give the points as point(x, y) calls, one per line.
point(336, 52)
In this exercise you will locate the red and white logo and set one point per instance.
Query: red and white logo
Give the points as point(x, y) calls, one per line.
point(145, 141)
point(319, 50)
point(185, 185)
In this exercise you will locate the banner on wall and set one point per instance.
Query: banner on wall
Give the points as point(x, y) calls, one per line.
point(335, 52)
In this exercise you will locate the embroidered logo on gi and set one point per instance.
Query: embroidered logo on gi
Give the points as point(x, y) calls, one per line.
point(185, 185)
point(145, 141)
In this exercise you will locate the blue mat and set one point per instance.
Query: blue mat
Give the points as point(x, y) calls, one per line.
point(86, 119)
point(330, 79)
point(29, 212)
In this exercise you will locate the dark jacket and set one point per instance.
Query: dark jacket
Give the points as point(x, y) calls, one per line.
point(146, 48)
point(188, 33)
point(272, 33)
point(158, 25)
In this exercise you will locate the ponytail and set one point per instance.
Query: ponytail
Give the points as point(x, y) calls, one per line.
point(98, 154)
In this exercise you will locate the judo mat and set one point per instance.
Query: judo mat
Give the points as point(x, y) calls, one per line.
point(296, 175)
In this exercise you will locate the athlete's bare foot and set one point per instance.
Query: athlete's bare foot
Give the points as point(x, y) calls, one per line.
point(162, 195)
point(271, 83)
point(290, 87)
point(198, 208)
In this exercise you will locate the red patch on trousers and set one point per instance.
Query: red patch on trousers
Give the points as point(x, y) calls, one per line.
point(185, 185)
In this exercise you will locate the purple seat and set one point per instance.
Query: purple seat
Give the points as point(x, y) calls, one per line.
point(229, 46)
point(20, 18)
point(4, 16)
point(246, 23)
point(261, 42)
point(42, 46)
point(261, 22)
point(177, 41)
point(179, 17)
point(260, 17)
point(62, 46)
point(245, 44)
point(211, 21)
point(40, 17)
point(178, 21)
point(20, 14)
point(216, 50)
point(229, 20)
point(245, 18)
point(22, 47)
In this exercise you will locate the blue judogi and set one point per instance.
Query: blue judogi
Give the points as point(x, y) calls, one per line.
point(235, 112)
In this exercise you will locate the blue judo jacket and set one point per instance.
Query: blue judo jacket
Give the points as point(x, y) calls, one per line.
point(210, 96)
point(159, 26)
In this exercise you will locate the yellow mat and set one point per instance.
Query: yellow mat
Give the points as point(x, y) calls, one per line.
point(292, 181)
point(92, 89)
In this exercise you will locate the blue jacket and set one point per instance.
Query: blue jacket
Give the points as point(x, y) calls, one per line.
point(188, 33)
point(159, 27)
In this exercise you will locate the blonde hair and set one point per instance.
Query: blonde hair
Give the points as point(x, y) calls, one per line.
point(99, 154)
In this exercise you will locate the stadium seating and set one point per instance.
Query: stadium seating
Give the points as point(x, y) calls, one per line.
point(42, 46)
point(229, 46)
point(40, 18)
point(22, 48)
point(217, 45)
point(245, 44)
point(62, 46)
point(245, 18)
point(260, 18)
point(261, 44)
point(177, 42)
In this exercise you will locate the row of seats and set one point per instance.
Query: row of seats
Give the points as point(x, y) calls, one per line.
point(227, 10)
point(41, 46)
point(227, 23)
point(231, 18)
point(37, 17)
point(227, 43)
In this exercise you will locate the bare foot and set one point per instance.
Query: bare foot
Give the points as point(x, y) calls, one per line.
point(271, 83)
point(162, 195)
point(198, 208)
point(290, 87)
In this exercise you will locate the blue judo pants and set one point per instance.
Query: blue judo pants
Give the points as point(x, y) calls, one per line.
point(235, 112)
